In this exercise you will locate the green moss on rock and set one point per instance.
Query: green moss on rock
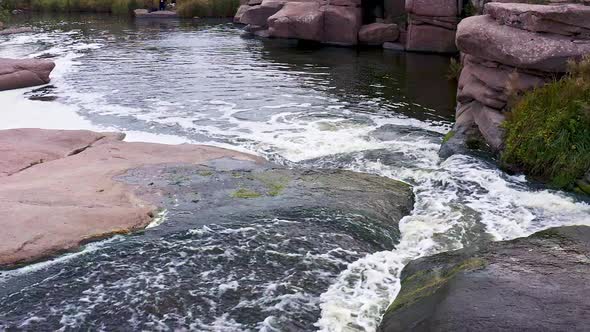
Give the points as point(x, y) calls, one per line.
point(245, 193)
point(423, 283)
point(448, 136)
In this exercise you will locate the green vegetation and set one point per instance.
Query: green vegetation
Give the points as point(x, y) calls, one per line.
point(117, 7)
point(454, 70)
point(548, 129)
point(274, 183)
point(448, 136)
point(245, 193)
point(425, 283)
point(205, 173)
point(207, 8)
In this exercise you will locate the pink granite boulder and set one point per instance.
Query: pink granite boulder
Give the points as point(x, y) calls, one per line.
point(22, 73)
point(378, 33)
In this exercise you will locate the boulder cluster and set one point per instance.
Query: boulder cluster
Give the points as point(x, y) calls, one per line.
point(513, 48)
point(336, 22)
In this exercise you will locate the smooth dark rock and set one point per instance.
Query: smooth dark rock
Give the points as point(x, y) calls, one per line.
point(537, 283)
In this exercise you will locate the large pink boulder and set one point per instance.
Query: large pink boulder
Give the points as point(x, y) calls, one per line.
point(378, 33)
point(430, 38)
point(433, 7)
point(258, 15)
point(299, 20)
point(482, 37)
point(15, 74)
point(240, 12)
point(341, 24)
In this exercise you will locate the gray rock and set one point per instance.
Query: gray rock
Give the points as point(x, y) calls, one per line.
point(226, 190)
point(537, 283)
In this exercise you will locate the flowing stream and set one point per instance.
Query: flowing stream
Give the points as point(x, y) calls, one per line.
point(372, 111)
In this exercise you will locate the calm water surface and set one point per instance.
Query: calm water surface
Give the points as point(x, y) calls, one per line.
point(367, 110)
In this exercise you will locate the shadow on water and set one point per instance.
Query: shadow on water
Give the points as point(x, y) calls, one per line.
point(396, 77)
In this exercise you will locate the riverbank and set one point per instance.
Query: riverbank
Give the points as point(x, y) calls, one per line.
point(185, 8)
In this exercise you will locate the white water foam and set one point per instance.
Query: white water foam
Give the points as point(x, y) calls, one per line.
point(508, 209)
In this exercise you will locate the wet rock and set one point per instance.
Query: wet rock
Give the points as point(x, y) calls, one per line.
point(12, 31)
point(45, 93)
point(22, 73)
point(535, 283)
point(378, 33)
point(63, 188)
point(567, 19)
point(144, 13)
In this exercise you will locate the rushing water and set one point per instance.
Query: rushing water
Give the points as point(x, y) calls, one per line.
point(367, 110)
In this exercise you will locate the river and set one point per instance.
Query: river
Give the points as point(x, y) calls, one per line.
point(371, 110)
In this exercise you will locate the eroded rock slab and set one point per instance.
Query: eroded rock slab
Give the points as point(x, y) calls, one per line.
point(566, 19)
point(537, 283)
point(22, 73)
point(482, 37)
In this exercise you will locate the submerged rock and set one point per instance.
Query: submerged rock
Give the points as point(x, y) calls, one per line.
point(536, 283)
point(22, 73)
point(144, 13)
point(59, 189)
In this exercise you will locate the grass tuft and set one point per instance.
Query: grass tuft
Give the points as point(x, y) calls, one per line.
point(454, 70)
point(245, 193)
point(548, 129)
